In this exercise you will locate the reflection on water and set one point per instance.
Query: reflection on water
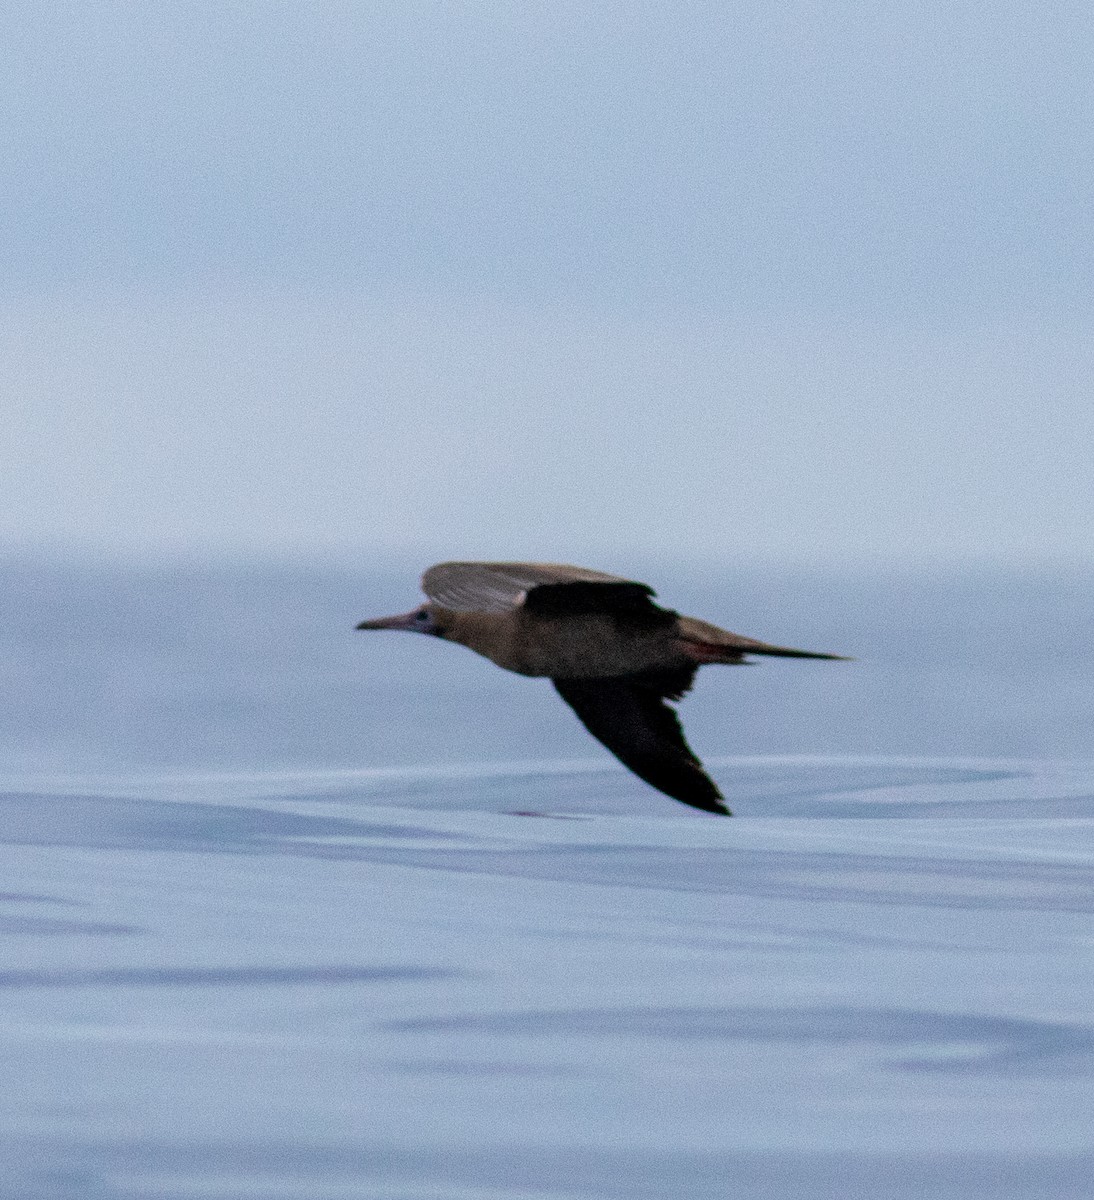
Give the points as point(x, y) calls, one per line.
point(245, 973)
point(983, 1043)
point(205, 977)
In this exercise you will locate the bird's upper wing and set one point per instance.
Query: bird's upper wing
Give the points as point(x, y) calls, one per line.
point(631, 716)
point(550, 588)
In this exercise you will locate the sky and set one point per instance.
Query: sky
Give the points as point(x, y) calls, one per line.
point(804, 281)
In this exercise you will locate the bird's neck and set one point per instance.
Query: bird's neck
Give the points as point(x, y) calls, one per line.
point(490, 634)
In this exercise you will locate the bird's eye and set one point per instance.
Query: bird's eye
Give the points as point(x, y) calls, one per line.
point(422, 616)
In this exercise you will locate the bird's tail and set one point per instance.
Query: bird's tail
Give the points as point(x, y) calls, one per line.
point(788, 652)
point(707, 652)
point(706, 643)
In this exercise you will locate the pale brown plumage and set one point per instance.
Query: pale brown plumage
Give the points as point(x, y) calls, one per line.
point(613, 655)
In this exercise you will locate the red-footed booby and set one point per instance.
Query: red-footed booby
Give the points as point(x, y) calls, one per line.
point(617, 658)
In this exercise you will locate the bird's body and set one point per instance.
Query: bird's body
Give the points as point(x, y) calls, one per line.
point(583, 646)
point(613, 655)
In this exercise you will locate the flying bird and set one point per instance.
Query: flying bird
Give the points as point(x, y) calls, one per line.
point(618, 659)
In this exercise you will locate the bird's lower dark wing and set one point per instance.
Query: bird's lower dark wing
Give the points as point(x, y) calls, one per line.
point(631, 716)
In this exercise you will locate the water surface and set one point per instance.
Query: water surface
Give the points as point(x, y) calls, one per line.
point(273, 927)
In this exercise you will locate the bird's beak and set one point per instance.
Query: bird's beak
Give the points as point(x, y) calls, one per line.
point(401, 621)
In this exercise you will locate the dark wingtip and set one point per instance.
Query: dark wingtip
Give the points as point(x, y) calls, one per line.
point(707, 799)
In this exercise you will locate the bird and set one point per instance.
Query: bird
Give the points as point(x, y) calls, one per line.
point(617, 658)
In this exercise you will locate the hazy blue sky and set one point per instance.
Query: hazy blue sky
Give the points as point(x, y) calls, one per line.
point(565, 279)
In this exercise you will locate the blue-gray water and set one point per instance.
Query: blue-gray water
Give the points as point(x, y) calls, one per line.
point(259, 668)
point(272, 928)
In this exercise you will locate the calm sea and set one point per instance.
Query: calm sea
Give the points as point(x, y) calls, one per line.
point(272, 924)
point(260, 668)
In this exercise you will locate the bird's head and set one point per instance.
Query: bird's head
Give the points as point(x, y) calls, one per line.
point(419, 620)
